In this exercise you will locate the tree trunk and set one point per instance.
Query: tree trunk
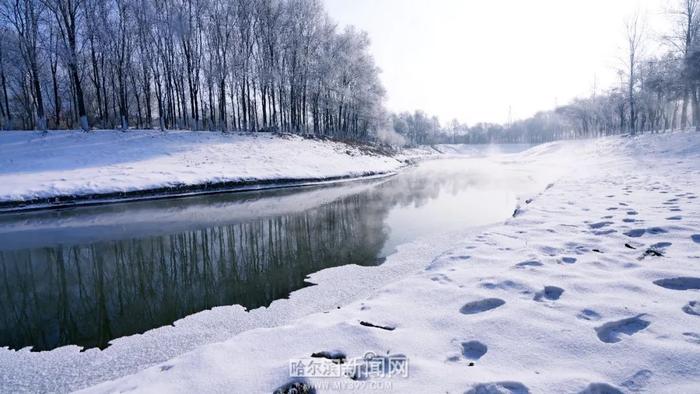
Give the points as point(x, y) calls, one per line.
point(3, 82)
point(696, 109)
point(56, 97)
point(222, 104)
point(684, 109)
point(41, 117)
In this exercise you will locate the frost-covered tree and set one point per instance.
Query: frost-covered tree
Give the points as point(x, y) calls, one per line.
point(25, 16)
point(66, 13)
point(200, 64)
point(683, 39)
point(634, 29)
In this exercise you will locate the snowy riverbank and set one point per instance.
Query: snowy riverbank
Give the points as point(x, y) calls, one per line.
point(69, 164)
point(592, 287)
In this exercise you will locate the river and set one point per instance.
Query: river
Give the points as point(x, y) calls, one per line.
point(85, 276)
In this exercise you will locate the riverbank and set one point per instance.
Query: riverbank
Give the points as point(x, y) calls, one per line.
point(591, 287)
point(331, 236)
point(64, 168)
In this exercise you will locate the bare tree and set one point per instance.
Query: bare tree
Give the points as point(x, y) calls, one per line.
point(24, 17)
point(682, 39)
point(634, 29)
point(66, 14)
point(5, 114)
point(246, 65)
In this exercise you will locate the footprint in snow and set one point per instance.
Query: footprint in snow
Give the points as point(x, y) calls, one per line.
point(479, 306)
point(589, 314)
point(529, 263)
point(692, 337)
point(695, 238)
point(550, 293)
point(600, 224)
point(692, 308)
point(605, 232)
point(473, 350)
point(499, 388)
point(637, 381)
point(577, 248)
point(610, 332)
point(674, 218)
point(661, 245)
point(636, 233)
point(679, 283)
point(507, 285)
point(550, 251)
point(656, 230)
point(568, 260)
point(600, 388)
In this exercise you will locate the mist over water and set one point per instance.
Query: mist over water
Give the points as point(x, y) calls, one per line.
point(88, 275)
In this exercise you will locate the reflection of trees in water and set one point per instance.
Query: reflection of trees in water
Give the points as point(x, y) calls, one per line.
point(89, 294)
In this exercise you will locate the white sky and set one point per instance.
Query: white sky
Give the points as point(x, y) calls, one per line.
point(472, 59)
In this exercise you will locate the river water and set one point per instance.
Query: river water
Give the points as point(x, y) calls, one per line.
point(85, 276)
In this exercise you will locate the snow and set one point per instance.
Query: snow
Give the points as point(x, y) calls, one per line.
point(35, 166)
point(563, 297)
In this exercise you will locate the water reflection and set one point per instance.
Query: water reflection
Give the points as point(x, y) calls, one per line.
point(86, 276)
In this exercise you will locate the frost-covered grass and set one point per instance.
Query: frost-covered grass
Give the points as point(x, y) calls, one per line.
point(592, 287)
point(73, 163)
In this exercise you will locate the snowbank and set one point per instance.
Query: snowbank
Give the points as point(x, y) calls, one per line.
point(591, 287)
point(71, 163)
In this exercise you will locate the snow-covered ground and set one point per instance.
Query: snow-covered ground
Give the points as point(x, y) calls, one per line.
point(593, 286)
point(67, 368)
point(73, 163)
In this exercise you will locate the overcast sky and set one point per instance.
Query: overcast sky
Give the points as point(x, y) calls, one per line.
point(472, 59)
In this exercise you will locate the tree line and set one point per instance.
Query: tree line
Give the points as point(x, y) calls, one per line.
point(249, 65)
point(655, 93)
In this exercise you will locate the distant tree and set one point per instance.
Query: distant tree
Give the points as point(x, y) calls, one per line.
point(634, 29)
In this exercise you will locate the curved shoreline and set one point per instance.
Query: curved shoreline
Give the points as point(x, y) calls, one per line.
point(178, 191)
